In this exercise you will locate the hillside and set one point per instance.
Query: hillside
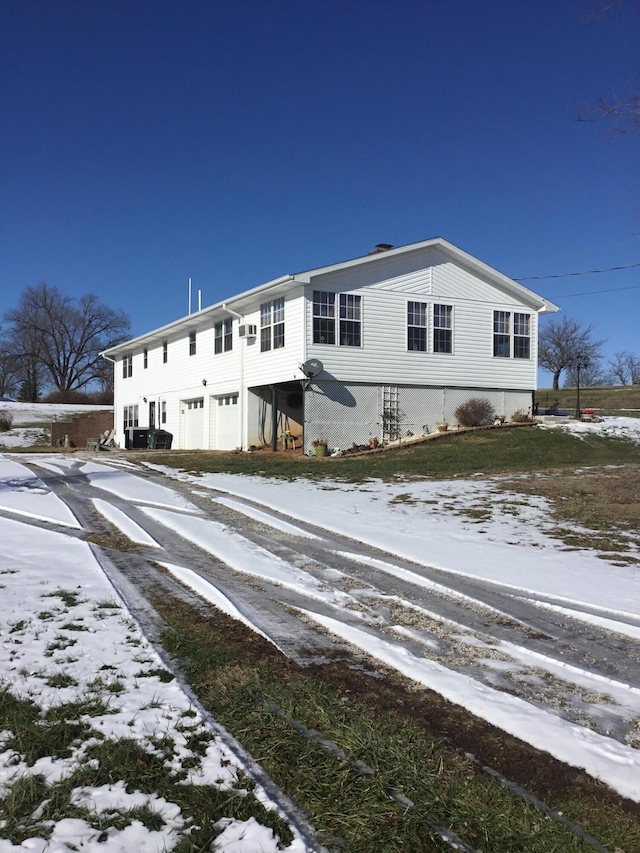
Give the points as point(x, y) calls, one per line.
point(613, 400)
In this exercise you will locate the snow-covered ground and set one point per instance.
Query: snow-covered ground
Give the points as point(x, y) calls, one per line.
point(427, 523)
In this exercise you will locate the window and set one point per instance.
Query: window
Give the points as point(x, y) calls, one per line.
point(196, 404)
point(229, 400)
point(324, 317)
point(165, 352)
point(130, 416)
point(350, 320)
point(145, 358)
point(521, 336)
point(127, 366)
point(223, 336)
point(192, 343)
point(163, 412)
point(152, 414)
point(502, 334)
point(417, 326)
point(272, 325)
point(442, 328)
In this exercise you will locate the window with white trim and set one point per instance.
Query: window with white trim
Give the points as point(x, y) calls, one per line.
point(417, 326)
point(163, 412)
point(324, 317)
point(223, 336)
point(127, 366)
point(350, 320)
point(130, 416)
point(192, 343)
point(511, 335)
point(196, 404)
point(145, 358)
point(228, 400)
point(442, 328)
point(272, 325)
point(521, 335)
point(165, 352)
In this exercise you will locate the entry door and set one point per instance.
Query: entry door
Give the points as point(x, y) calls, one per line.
point(194, 424)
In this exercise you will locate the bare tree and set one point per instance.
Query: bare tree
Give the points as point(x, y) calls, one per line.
point(625, 368)
point(563, 343)
point(9, 372)
point(63, 335)
point(623, 113)
point(591, 375)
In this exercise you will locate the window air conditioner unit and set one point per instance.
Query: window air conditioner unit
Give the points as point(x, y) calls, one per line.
point(247, 331)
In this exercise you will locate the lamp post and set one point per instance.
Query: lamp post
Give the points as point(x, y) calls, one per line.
point(579, 364)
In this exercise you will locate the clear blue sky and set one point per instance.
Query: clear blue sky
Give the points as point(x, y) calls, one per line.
point(144, 143)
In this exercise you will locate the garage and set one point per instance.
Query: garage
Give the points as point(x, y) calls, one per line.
point(193, 424)
point(225, 422)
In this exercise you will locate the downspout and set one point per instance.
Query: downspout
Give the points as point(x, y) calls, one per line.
point(239, 317)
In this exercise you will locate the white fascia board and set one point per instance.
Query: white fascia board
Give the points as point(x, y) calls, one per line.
point(195, 320)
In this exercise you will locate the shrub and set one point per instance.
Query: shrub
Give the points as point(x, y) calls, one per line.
point(521, 417)
point(68, 396)
point(6, 421)
point(477, 411)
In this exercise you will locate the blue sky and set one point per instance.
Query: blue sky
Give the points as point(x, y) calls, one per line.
point(232, 142)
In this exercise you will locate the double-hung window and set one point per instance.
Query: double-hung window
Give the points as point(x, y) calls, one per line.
point(350, 320)
point(145, 358)
point(130, 416)
point(511, 334)
point(442, 328)
point(521, 335)
point(163, 412)
point(324, 317)
point(165, 352)
point(417, 326)
point(272, 325)
point(223, 336)
point(192, 343)
point(127, 366)
point(501, 334)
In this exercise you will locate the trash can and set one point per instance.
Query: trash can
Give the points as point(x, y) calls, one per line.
point(136, 439)
point(159, 439)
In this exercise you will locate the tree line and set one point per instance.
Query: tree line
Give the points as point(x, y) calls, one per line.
point(567, 346)
point(52, 343)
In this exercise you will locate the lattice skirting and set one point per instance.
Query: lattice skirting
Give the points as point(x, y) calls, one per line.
point(347, 414)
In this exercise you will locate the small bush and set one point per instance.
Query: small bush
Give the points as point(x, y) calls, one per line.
point(102, 398)
point(521, 417)
point(477, 411)
point(6, 421)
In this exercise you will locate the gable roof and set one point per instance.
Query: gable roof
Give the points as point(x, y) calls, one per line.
point(235, 304)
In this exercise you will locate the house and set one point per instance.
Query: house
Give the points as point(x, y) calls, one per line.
point(382, 345)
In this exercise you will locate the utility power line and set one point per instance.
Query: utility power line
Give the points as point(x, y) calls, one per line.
point(569, 274)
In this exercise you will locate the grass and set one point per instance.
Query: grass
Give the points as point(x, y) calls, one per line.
point(493, 451)
point(615, 399)
point(388, 779)
point(31, 806)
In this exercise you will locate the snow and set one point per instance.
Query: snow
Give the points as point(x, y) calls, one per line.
point(431, 524)
point(23, 493)
point(29, 413)
point(511, 552)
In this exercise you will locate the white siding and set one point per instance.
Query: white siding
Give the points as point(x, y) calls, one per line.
point(279, 365)
point(384, 357)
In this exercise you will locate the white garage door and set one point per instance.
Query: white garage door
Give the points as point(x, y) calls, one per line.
point(194, 424)
point(226, 422)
